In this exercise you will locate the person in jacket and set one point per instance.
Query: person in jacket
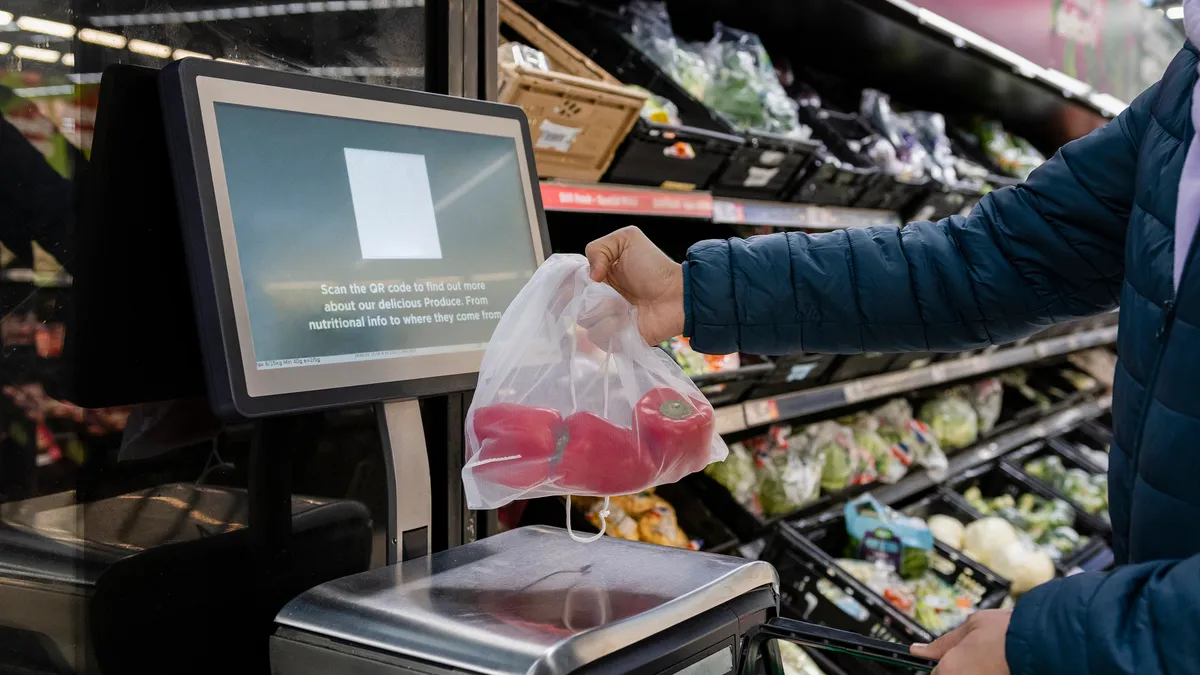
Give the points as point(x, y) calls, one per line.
point(1109, 220)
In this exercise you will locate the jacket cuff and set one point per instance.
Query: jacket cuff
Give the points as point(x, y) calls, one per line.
point(1047, 634)
point(709, 303)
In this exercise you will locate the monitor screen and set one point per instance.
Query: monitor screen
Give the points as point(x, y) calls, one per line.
point(365, 241)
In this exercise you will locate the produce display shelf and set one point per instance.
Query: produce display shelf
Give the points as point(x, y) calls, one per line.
point(624, 200)
point(758, 412)
point(1053, 424)
point(24, 275)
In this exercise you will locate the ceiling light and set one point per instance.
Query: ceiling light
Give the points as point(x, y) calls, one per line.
point(5, 48)
point(1175, 13)
point(149, 49)
point(36, 25)
point(5, 18)
point(68, 60)
point(36, 54)
point(240, 63)
point(185, 54)
point(99, 37)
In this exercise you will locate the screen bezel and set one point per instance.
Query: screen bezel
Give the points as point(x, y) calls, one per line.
point(190, 90)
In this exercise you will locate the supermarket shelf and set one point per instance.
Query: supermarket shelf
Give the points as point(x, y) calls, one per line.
point(731, 419)
point(22, 275)
point(654, 202)
point(1051, 425)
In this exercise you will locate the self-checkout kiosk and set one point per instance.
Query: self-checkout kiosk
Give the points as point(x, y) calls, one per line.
point(348, 244)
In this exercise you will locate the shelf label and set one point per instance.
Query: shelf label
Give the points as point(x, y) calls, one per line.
point(596, 199)
point(762, 411)
point(729, 419)
point(809, 216)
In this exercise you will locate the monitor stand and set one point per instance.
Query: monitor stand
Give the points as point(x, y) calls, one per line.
point(409, 488)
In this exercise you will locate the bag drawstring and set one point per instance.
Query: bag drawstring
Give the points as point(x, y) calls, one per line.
point(604, 510)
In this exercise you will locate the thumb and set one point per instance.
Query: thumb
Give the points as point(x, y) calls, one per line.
point(605, 251)
point(938, 648)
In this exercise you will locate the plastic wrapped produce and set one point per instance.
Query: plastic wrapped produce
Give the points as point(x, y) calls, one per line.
point(1013, 154)
point(890, 463)
point(658, 109)
point(913, 442)
point(987, 397)
point(953, 420)
point(932, 602)
point(845, 463)
point(1047, 524)
point(789, 473)
point(881, 534)
point(556, 414)
point(650, 31)
point(911, 159)
point(744, 87)
point(736, 473)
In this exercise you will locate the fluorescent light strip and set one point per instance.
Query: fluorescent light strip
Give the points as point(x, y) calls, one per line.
point(1068, 84)
point(99, 37)
point(1175, 13)
point(33, 24)
point(185, 54)
point(5, 18)
point(245, 12)
point(34, 92)
point(68, 60)
point(36, 54)
point(149, 49)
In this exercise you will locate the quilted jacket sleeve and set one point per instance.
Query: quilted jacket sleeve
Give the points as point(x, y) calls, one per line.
point(1141, 619)
point(1048, 250)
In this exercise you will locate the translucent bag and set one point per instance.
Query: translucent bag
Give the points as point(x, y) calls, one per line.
point(572, 401)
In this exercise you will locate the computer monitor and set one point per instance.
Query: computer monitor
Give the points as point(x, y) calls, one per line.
point(346, 243)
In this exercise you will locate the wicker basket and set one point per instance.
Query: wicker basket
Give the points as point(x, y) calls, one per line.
point(578, 115)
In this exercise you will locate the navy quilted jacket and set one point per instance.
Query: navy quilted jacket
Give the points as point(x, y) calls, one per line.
point(1091, 229)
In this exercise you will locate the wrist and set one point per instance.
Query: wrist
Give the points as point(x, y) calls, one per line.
point(680, 300)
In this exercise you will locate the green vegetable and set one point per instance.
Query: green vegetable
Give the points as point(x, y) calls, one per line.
point(736, 473)
point(954, 423)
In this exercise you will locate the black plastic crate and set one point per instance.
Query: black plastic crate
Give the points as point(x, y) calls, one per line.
point(890, 193)
point(803, 369)
point(821, 540)
point(652, 154)
point(808, 578)
point(861, 365)
point(763, 168)
point(943, 200)
point(730, 386)
point(1071, 460)
point(832, 183)
point(997, 479)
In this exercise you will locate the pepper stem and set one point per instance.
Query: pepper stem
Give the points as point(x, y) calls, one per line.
point(675, 409)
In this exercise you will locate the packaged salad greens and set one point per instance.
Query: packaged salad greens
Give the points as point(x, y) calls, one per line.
point(1013, 154)
point(932, 602)
point(953, 420)
point(845, 463)
point(651, 33)
point(788, 479)
point(1089, 491)
point(987, 397)
point(912, 441)
point(1047, 523)
point(743, 85)
point(736, 474)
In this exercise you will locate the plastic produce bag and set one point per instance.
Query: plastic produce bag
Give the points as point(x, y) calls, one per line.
point(789, 476)
point(987, 397)
point(881, 534)
point(650, 31)
point(744, 87)
point(572, 401)
point(913, 442)
point(954, 422)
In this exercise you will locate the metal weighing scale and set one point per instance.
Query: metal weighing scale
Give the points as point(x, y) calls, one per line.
point(391, 190)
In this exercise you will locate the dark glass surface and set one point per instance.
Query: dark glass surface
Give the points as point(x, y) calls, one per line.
point(126, 556)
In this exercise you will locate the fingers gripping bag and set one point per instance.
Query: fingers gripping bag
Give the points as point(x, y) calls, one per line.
point(572, 401)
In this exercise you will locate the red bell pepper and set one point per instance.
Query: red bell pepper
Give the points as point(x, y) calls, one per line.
point(676, 428)
point(517, 444)
point(602, 459)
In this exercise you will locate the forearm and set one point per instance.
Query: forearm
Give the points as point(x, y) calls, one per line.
point(1139, 619)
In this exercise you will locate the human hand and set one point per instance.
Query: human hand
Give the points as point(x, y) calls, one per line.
point(653, 283)
point(974, 648)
